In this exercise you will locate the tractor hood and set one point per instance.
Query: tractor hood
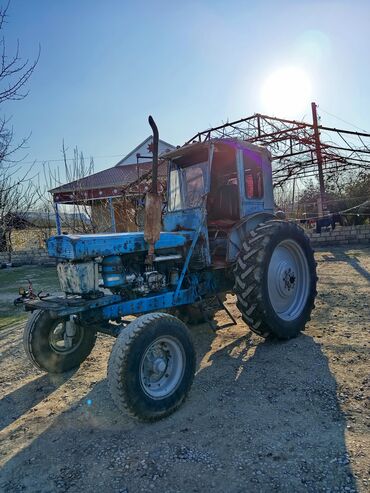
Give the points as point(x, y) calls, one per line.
point(80, 247)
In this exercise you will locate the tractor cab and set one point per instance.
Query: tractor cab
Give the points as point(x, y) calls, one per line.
point(217, 184)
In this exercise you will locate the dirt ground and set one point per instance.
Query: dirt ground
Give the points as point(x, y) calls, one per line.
point(262, 416)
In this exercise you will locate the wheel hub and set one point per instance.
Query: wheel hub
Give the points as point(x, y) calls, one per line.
point(65, 337)
point(159, 366)
point(285, 279)
point(162, 367)
point(288, 279)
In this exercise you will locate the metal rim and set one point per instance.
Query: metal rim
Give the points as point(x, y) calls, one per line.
point(162, 367)
point(60, 342)
point(288, 280)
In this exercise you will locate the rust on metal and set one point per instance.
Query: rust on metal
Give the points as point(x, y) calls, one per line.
point(153, 221)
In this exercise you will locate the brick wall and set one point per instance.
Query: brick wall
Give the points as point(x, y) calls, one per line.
point(341, 235)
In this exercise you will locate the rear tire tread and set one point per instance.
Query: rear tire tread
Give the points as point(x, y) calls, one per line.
point(248, 271)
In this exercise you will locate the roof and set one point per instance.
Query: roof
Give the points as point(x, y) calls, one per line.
point(111, 182)
point(112, 177)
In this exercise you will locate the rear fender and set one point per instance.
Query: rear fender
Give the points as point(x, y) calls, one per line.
point(238, 232)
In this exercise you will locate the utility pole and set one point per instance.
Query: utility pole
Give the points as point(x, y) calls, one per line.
point(319, 159)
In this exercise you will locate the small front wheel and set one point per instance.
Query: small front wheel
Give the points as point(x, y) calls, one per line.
point(151, 367)
point(56, 345)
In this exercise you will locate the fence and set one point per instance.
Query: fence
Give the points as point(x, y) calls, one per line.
point(341, 235)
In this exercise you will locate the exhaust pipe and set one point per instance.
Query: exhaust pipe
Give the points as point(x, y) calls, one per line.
point(155, 154)
point(153, 201)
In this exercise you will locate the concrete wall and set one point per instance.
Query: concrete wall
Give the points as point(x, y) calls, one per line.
point(341, 235)
point(27, 257)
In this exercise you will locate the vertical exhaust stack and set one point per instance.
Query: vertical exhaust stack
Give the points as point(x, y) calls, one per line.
point(153, 201)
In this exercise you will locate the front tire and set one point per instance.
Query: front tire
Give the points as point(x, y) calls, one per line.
point(152, 366)
point(45, 346)
point(275, 279)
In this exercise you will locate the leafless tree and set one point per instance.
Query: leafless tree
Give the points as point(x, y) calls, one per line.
point(16, 194)
point(16, 201)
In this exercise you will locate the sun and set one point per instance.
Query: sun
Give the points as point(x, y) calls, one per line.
point(287, 92)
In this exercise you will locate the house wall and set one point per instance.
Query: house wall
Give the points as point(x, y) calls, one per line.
point(144, 151)
point(31, 238)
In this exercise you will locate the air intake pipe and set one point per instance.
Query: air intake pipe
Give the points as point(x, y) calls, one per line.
point(153, 201)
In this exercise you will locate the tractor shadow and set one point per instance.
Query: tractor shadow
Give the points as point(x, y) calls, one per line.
point(261, 416)
point(280, 402)
point(18, 402)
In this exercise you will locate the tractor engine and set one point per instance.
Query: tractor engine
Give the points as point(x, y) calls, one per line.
point(127, 275)
point(130, 276)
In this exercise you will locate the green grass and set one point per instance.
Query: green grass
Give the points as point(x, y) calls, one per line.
point(43, 279)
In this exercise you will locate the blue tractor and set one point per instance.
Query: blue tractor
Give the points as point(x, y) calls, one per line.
point(218, 234)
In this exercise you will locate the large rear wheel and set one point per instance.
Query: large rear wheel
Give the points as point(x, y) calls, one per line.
point(275, 279)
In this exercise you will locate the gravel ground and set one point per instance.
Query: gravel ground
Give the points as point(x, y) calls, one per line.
point(261, 416)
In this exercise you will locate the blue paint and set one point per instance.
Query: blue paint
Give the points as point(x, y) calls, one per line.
point(112, 271)
point(80, 247)
point(149, 304)
point(187, 260)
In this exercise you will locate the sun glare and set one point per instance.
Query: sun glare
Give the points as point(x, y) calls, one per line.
point(286, 92)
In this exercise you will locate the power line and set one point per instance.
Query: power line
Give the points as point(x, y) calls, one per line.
point(69, 159)
point(341, 119)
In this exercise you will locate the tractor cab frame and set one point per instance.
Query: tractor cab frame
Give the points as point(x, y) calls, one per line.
point(223, 186)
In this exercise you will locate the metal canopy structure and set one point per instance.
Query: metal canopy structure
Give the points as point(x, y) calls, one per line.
point(293, 145)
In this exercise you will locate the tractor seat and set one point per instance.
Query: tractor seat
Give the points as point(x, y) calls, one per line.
point(225, 207)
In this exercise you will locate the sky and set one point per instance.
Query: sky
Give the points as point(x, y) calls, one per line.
point(106, 65)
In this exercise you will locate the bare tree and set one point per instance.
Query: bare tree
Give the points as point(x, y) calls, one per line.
point(16, 195)
point(16, 201)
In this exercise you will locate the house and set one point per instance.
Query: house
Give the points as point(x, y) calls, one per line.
point(104, 195)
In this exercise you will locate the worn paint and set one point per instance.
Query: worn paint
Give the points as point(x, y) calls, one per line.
point(80, 247)
point(78, 278)
point(153, 221)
